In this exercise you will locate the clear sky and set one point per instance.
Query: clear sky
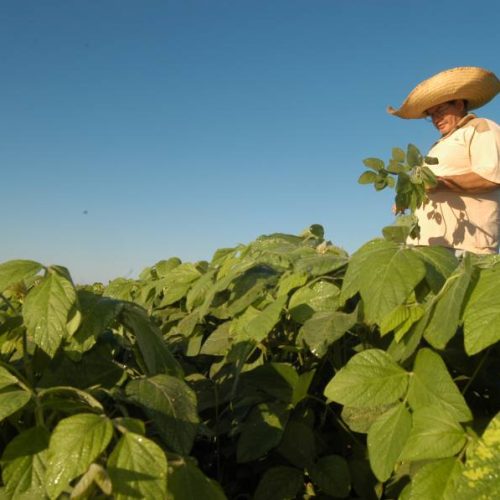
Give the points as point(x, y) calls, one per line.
point(137, 130)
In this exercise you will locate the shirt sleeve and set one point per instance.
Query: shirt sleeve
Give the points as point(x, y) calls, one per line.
point(484, 150)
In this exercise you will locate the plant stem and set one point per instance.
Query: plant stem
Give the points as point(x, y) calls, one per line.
point(476, 371)
point(8, 302)
point(28, 368)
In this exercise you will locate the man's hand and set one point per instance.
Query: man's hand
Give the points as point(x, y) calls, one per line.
point(470, 183)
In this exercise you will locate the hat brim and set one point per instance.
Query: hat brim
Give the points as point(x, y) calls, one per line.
point(475, 85)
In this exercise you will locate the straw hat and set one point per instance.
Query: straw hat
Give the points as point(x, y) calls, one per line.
point(476, 85)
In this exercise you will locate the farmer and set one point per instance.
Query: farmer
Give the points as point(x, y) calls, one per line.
point(463, 211)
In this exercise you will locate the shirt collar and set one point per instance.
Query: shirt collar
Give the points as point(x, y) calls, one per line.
point(466, 119)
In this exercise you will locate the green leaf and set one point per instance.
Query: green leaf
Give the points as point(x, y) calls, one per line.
point(121, 289)
point(14, 271)
point(331, 474)
point(258, 328)
point(97, 314)
point(374, 164)
point(364, 483)
point(262, 431)
point(171, 404)
point(405, 492)
point(47, 309)
point(367, 177)
point(380, 183)
point(187, 482)
point(396, 233)
point(385, 274)
point(320, 264)
point(69, 395)
point(163, 267)
point(280, 483)
point(96, 367)
point(413, 156)
point(402, 348)
point(436, 480)
point(361, 419)
point(324, 328)
point(439, 263)
point(370, 378)
point(301, 389)
point(401, 319)
point(76, 442)
point(398, 155)
point(434, 434)
point(386, 439)
point(431, 384)
point(481, 475)
point(482, 313)
point(196, 295)
point(154, 349)
point(219, 341)
point(128, 424)
point(319, 296)
point(289, 282)
point(6, 378)
point(12, 399)
point(137, 468)
point(276, 379)
point(23, 463)
point(244, 297)
point(447, 307)
point(403, 226)
point(396, 167)
point(298, 444)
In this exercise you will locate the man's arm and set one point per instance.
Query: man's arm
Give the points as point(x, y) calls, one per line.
point(470, 183)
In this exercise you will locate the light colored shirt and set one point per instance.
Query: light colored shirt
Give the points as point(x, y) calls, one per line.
point(468, 222)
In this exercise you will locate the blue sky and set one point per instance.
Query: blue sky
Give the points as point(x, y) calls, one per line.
point(137, 130)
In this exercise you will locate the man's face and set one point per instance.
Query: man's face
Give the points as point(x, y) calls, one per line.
point(446, 116)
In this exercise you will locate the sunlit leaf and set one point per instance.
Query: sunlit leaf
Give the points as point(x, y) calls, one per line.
point(24, 461)
point(386, 439)
point(434, 434)
point(154, 349)
point(14, 271)
point(370, 378)
point(436, 480)
point(137, 468)
point(482, 313)
point(12, 399)
point(385, 274)
point(75, 443)
point(447, 307)
point(481, 475)
point(367, 177)
point(46, 311)
point(374, 163)
point(324, 328)
point(431, 384)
